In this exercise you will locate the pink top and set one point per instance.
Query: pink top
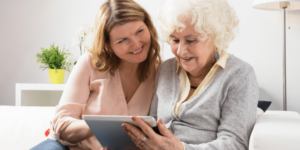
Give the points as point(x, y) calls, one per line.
point(89, 92)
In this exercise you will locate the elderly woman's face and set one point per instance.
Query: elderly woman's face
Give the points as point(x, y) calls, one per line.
point(192, 53)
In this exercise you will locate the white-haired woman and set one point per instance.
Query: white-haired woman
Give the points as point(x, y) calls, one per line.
point(206, 97)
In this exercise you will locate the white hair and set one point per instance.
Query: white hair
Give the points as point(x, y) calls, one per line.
point(213, 19)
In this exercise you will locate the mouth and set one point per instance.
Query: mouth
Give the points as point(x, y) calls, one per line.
point(138, 51)
point(187, 58)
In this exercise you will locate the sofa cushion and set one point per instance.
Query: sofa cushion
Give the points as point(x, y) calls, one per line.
point(23, 127)
point(276, 130)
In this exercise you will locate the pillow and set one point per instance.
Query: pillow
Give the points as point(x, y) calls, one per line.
point(262, 106)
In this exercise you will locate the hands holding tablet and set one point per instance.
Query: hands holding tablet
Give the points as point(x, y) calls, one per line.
point(145, 138)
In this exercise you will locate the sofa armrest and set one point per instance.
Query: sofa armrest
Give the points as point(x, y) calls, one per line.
point(23, 127)
point(276, 130)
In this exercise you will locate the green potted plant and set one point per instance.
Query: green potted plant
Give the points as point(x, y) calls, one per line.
point(56, 61)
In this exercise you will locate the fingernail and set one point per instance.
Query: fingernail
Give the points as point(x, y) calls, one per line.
point(133, 118)
point(160, 121)
point(124, 126)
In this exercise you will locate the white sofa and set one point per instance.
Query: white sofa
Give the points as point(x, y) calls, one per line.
point(22, 127)
point(276, 130)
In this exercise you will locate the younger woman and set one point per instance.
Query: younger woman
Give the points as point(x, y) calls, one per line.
point(116, 76)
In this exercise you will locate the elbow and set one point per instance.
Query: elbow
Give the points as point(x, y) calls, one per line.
point(69, 138)
point(234, 143)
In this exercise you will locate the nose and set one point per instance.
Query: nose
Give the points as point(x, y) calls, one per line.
point(135, 43)
point(182, 48)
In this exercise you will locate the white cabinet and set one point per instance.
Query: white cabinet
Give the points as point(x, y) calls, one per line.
point(34, 94)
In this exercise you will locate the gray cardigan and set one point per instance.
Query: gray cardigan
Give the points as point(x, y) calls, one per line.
point(220, 117)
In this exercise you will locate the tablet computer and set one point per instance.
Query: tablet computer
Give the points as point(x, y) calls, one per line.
point(109, 131)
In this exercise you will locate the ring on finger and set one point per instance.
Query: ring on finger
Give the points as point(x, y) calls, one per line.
point(144, 139)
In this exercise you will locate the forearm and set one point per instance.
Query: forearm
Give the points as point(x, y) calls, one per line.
point(76, 132)
point(226, 143)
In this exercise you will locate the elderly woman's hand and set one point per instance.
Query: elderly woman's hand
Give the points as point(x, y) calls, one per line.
point(148, 139)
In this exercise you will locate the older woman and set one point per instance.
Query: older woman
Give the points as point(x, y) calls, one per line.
point(205, 96)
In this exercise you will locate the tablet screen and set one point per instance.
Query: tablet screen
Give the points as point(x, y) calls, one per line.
point(109, 131)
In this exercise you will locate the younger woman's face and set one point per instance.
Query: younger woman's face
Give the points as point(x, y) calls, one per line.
point(130, 41)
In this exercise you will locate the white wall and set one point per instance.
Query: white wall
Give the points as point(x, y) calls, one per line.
point(25, 26)
point(260, 43)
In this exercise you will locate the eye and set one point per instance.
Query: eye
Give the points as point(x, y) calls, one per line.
point(122, 41)
point(175, 40)
point(190, 41)
point(140, 31)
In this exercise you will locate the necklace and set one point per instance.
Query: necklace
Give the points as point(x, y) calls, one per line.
point(194, 87)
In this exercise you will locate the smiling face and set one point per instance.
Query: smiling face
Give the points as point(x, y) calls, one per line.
point(130, 41)
point(191, 52)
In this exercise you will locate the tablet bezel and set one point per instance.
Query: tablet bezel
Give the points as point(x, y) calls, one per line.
point(148, 119)
point(109, 131)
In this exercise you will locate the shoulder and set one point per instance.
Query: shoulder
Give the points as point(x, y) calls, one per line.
point(238, 71)
point(167, 69)
point(237, 65)
point(169, 64)
point(86, 59)
point(86, 62)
